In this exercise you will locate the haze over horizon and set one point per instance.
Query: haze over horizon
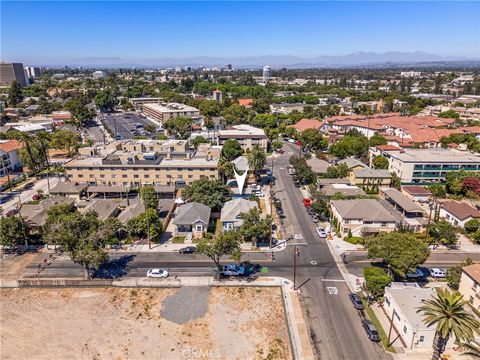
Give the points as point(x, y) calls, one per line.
point(253, 33)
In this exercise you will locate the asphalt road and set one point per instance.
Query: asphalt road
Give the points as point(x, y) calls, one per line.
point(334, 326)
point(121, 123)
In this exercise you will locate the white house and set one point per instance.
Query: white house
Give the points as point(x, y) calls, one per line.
point(401, 302)
point(458, 213)
point(231, 211)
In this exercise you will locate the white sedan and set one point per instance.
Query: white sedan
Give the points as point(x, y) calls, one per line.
point(157, 273)
point(321, 232)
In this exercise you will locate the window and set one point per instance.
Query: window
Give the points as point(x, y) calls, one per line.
point(404, 329)
point(124, 176)
point(114, 176)
point(422, 339)
point(102, 176)
point(136, 176)
point(199, 227)
point(147, 176)
point(80, 175)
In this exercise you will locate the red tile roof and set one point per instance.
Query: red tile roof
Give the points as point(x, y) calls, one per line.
point(387, 147)
point(305, 124)
point(245, 102)
point(461, 210)
point(11, 145)
point(416, 190)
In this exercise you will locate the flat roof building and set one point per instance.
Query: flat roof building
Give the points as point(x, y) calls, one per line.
point(165, 111)
point(430, 165)
point(248, 136)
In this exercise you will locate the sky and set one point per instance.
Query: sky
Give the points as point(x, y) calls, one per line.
point(38, 32)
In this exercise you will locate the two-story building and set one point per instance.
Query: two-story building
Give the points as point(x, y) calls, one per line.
point(248, 136)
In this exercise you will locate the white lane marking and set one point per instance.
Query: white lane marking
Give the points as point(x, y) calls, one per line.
point(333, 280)
point(313, 262)
point(332, 290)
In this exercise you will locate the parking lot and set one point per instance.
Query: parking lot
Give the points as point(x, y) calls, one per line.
point(125, 124)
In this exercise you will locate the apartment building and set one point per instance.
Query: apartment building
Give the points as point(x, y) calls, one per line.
point(143, 162)
point(12, 72)
point(165, 111)
point(430, 165)
point(248, 136)
point(470, 285)
point(9, 159)
point(464, 112)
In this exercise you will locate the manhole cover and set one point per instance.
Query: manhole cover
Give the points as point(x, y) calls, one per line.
point(313, 262)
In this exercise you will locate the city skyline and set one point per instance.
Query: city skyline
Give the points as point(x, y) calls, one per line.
point(144, 31)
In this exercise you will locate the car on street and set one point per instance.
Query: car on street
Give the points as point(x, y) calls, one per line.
point(291, 170)
point(417, 274)
point(307, 201)
point(315, 219)
point(5, 198)
point(157, 273)
point(309, 210)
point(357, 302)
point(321, 232)
point(292, 141)
point(28, 186)
point(371, 330)
point(297, 184)
point(438, 273)
point(298, 143)
point(279, 211)
point(188, 250)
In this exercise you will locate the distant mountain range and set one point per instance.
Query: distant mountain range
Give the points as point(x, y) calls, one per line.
point(359, 58)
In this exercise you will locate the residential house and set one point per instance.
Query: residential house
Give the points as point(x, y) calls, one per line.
point(370, 179)
point(409, 212)
point(248, 103)
point(470, 285)
point(362, 216)
point(401, 302)
point(192, 218)
point(347, 190)
point(35, 215)
point(305, 124)
point(458, 213)
point(352, 163)
point(417, 193)
point(69, 189)
point(318, 166)
point(232, 210)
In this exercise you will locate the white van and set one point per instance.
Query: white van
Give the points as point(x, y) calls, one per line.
point(438, 273)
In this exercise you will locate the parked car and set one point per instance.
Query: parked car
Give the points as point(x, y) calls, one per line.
point(298, 143)
point(5, 198)
point(188, 250)
point(307, 201)
point(315, 219)
point(418, 274)
point(371, 330)
point(322, 233)
point(28, 186)
point(157, 273)
point(309, 210)
point(357, 302)
point(291, 170)
point(296, 183)
point(36, 197)
point(438, 273)
point(292, 141)
point(279, 211)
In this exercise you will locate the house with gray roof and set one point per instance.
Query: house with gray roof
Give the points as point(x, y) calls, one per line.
point(35, 215)
point(192, 218)
point(362, 216)
point(69, 189)
point(371, 180)
point(353, 163)
point(231, 211)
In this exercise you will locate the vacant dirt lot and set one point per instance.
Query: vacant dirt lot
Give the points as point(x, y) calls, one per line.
point(116, 323)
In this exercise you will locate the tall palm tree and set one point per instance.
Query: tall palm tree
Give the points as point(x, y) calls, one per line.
point(44, 138)
point(257, 158)
point(225, 168)
point(27, 141)
point(471, 348)
point(447, 312)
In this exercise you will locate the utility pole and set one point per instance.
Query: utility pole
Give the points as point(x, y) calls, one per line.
point(296, 252)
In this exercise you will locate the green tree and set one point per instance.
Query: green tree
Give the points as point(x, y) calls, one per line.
point(446, 311)
point(396, 181)
point(376, 279)
point(452, 114)
point(231, 149)
point(209, 108)
point(438, 190)
point(199, 140)
point(443, 232)
point(13, 231)
point(149, 197)
point(212, 193)
point(66, 140)
point(255, 228)
point(337, 171)
point(257, 158)
point(313, 139)
point(401, 252)
point(380, 162)
point(339, 196)
point(81, 113)
point(225, 168)
point(455, 273)
point(350, 145)
point(223, 244)
point(78, 235)
point(15, 96)
point(109, 231)
point(105, 101)
point(179, 127)
point(472, 226)
point(471, 348)
point(376, 140)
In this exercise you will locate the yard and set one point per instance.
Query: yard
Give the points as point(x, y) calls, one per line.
point(143, 323)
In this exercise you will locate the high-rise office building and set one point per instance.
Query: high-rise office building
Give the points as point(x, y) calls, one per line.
point(266, 74)
point(10, 72)
point(32, 71)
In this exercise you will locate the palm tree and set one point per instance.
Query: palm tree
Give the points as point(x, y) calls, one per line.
point(447, 312)
point(471, 348)
point(257, 158)
point(27, 141)
point(44, 138)
point(225, 168)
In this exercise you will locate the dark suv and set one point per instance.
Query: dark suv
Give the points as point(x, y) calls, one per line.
point(188, 250)
point(357, 302)
point(371, 330)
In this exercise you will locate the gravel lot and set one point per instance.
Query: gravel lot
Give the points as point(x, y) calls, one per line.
point(179, 307)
